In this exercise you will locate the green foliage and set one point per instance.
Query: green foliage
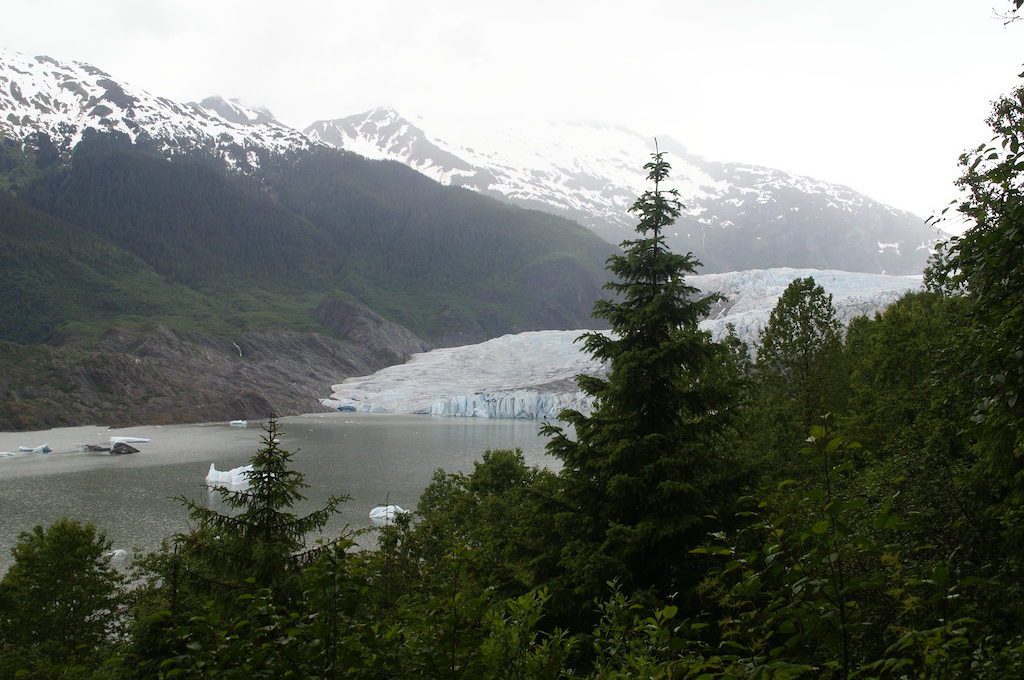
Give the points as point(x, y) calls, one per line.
point(797, 364)
point(515, 649)
point(987, 263)
point(120, 234)
point(58, 601)
point(641, 472)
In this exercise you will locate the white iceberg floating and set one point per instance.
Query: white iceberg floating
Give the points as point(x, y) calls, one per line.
point(239, 423)
point(42, 448)
point(7, 454)
point(235, 479)
point(383, 515)
point(128, 440)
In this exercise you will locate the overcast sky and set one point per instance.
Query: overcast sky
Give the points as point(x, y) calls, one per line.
point(881, 95)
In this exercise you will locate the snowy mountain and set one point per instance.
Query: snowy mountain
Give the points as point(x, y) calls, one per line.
point(64, 100)
point(736, 216)
point(530, 375)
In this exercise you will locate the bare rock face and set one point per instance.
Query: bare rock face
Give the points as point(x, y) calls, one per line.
point(159, 376)
point(386, 341)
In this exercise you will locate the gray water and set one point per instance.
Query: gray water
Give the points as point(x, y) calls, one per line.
point(371, 457)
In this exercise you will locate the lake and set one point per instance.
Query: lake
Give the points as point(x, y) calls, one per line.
point(371, 457)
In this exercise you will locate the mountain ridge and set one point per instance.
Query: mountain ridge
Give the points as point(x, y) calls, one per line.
point(589, 172)
point(736, 215)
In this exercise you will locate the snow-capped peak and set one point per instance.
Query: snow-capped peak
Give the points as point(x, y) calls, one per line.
point(238, 112)
point(39, 94)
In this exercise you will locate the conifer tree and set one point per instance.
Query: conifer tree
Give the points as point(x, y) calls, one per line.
point(265, 539)
point(637, 477)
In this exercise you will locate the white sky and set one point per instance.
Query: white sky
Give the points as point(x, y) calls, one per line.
point(881, 95)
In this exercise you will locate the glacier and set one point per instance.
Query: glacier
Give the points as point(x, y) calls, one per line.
point(531, 375)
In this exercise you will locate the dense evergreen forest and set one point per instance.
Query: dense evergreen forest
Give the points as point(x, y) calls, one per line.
point(841, 505)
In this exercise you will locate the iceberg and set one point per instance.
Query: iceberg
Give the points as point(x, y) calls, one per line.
point(7, 454)
point(118, 557)
point(239, 423)
point(91, 448)
point(235, 479)
point(128, 440)
point(384, 515)
point(42, 448)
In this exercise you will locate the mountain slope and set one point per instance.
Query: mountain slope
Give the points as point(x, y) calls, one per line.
point(449, 264)
point(737, 216)
point(56, 277)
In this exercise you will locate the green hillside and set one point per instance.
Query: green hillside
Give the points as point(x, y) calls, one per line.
point(430, 256)
point(56, 277)
point(119, 234)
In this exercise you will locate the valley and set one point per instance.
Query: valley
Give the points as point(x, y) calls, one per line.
point(147, 241)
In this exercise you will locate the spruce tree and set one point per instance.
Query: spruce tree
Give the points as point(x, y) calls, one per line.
point(264, 541)
point(637, 480)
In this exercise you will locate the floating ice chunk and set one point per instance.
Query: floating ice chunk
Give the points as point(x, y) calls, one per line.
point(128, 440)
point(233, 479)
point(383, 515)
point(7, 454)
point(118, 557)
point(239, 423)
point(42, 448)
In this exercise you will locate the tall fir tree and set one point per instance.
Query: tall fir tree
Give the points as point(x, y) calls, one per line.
point(637, 480)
